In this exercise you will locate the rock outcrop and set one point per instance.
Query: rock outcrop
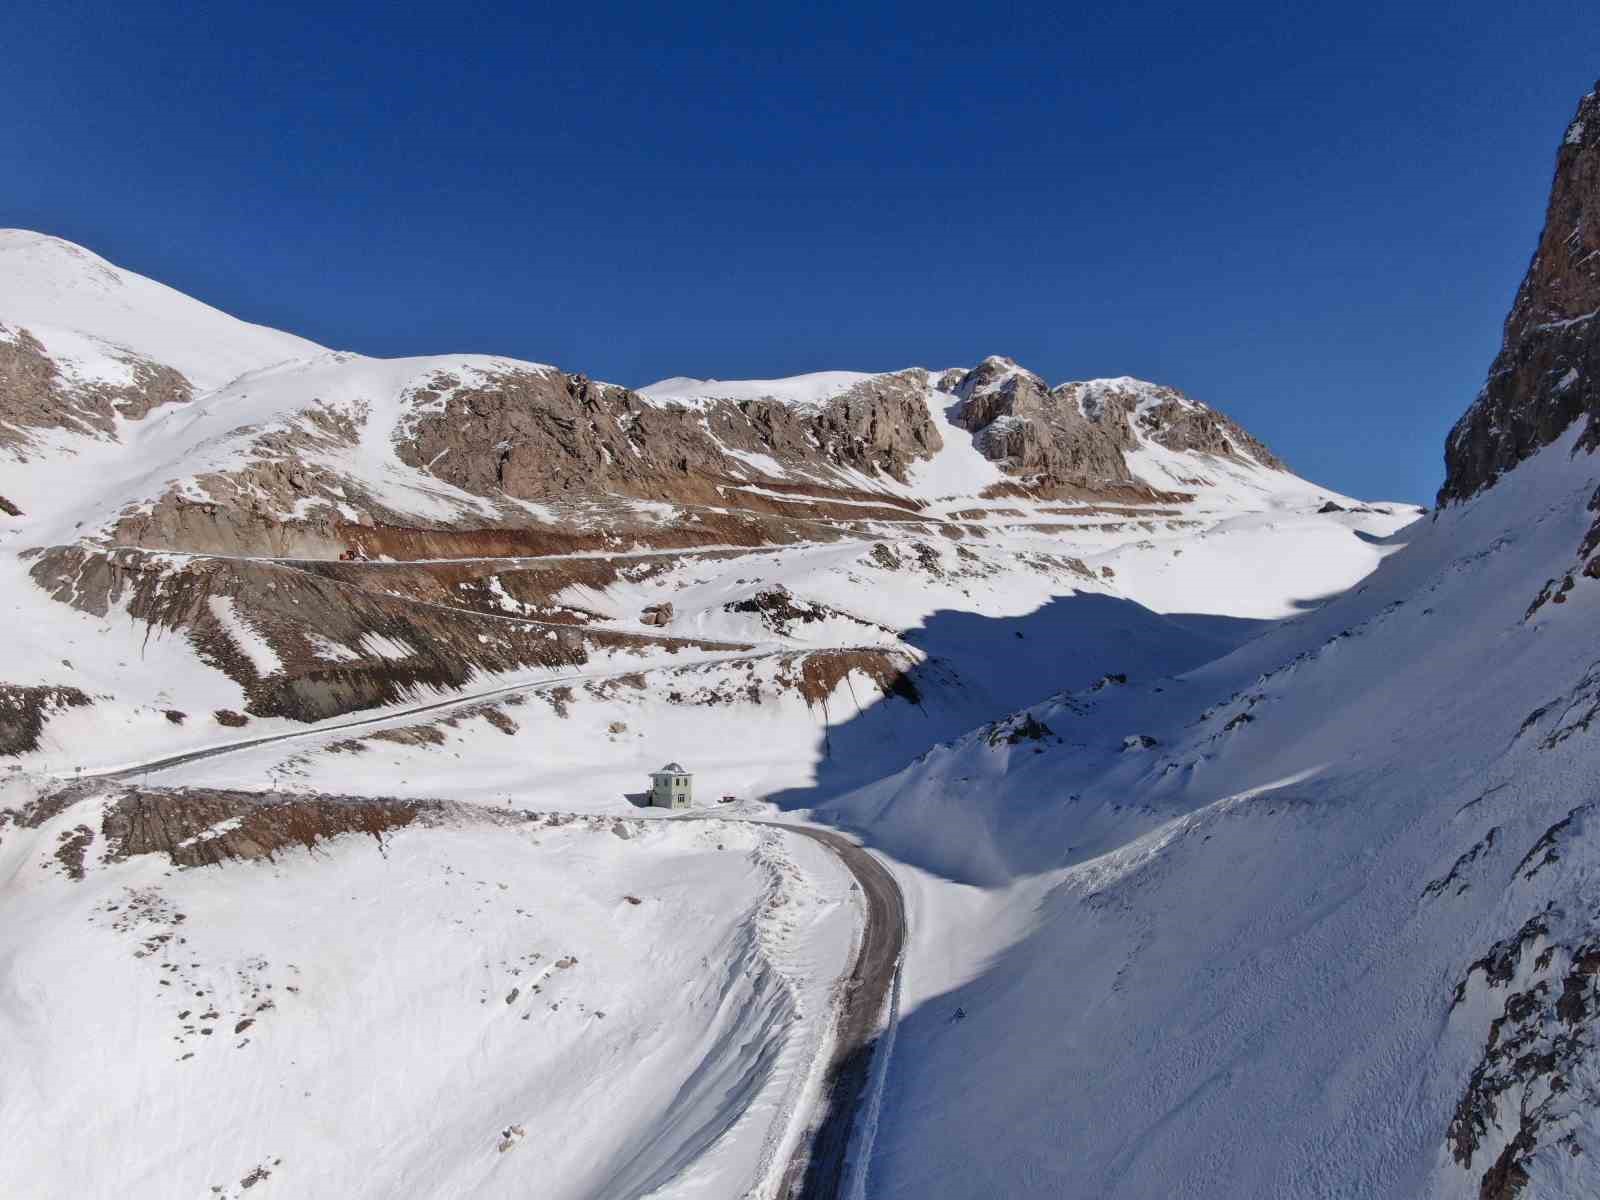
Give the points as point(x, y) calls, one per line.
point(35, 393)
point(1547, 374)
point(24, 712)
point(536, 434)
point(1077, 435)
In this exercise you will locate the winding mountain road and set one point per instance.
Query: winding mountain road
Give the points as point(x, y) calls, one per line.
point(837, 1136)
point(403, 715)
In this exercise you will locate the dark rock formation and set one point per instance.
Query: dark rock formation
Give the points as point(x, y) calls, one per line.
point(1532, 1088)
point(539, 434)
point(24, 711)
point(35, 394)
point(1076, 435)
point(1547, 374)
point(208, 828)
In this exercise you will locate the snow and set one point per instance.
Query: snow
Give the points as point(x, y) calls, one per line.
point(1259, 565)
point(250, 643)
point(387, 647)
point(50, 282)
point(816, 388)
point(1165, 813)
point(764, 463)
point(331, 651)
point(1568, 322)
point(801, 498)
point(465, 980)
point(1148, 395)
point(213, 832)
point(178, 445)
point(1211, 951)
point(1227, 966)
point(82, 358)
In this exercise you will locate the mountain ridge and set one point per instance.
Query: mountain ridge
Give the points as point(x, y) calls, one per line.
point(524, 498)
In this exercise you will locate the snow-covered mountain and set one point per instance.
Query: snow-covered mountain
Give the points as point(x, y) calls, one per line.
point(472, 579)
point(169, 471)
point(1320, 917)
point(1240, 824)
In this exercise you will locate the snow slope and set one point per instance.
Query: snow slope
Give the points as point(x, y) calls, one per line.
point(1230, 961)
point(81, 305)
point(468, 1008)
point(182, 445)
point(796, 389)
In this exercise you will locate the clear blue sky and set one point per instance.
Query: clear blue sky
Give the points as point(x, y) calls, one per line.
point(1313, 216)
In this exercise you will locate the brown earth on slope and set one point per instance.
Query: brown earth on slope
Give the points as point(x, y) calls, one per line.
point(339, 648)
point(25, 710)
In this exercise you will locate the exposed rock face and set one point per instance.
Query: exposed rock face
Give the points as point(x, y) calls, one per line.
point(1531, 1092)
point(24, 711)
point(1077, 435)
point(206, 828)
point(1039, 434)
point(540, 434)
point(1172, 420)
point(1547, 373)
point(513, 440)
point(36, 394)
point(338, 648)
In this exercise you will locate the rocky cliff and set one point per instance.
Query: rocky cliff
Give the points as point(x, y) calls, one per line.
point(37, 393)
point(1078, 435)
point(1547, 374)
point(535, 434)
point(247, 499)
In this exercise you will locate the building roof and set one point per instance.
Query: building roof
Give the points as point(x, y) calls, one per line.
point(672, 768)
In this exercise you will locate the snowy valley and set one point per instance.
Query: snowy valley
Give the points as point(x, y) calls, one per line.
point(1239, 825)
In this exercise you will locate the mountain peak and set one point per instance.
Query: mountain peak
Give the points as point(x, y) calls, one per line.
point(60, 293)
point(1547, 373)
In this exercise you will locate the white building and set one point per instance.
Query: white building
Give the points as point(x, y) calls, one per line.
point(671, 787)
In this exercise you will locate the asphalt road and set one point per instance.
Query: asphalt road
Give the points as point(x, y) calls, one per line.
point(139, 770)
point(817, 1169)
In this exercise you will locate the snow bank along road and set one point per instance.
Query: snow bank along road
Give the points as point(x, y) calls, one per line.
point(395, 715)
point(818, 1169)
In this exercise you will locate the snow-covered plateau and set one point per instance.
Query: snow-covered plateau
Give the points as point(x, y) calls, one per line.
point(1207, 832)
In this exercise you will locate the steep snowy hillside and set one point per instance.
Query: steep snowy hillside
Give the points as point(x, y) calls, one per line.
point(1319, 918)
point(334, 683)
point(104, 315)
point(226, 996)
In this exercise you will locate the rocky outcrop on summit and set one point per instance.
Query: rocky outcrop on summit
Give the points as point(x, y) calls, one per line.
point(1547, 374)
point(1077, 435)
point(535, 434)
point(1038, 434)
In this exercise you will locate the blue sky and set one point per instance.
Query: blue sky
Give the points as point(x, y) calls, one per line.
point(1313, 219)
